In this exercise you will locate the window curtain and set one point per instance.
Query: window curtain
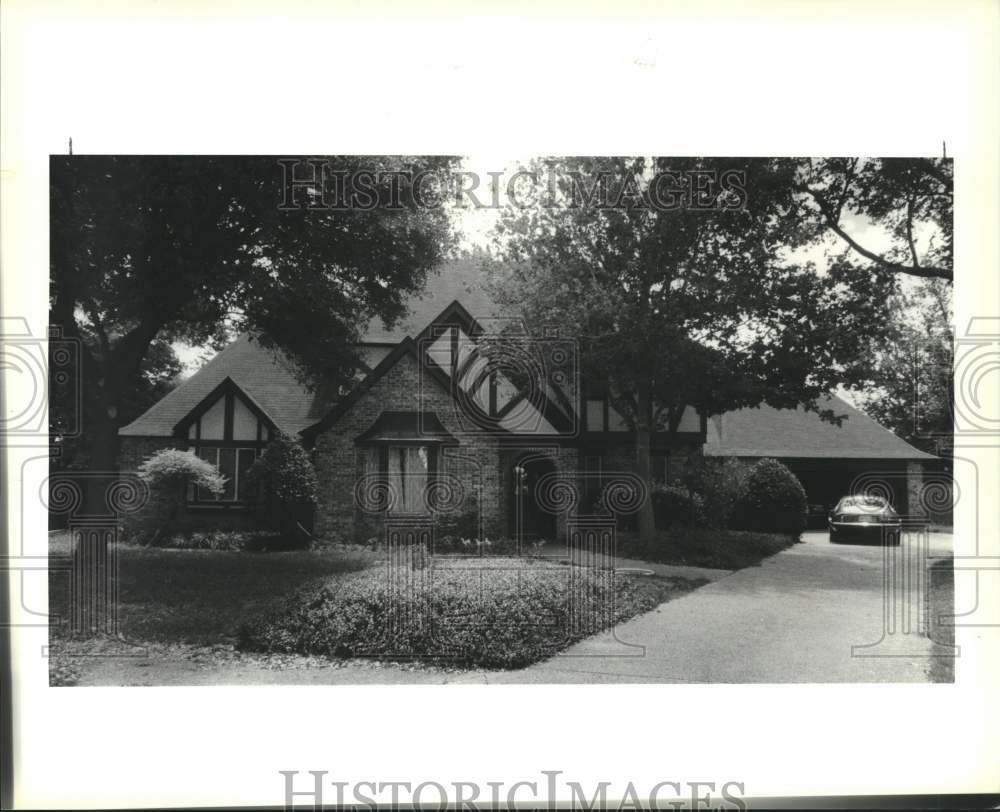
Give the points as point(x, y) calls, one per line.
point(408, 470)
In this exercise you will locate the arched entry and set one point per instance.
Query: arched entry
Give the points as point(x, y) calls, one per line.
point(530, 520)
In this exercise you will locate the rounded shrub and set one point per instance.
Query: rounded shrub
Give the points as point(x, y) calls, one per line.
point(287, 483)
point(676, 505)
point(169, 474)
point(718, 481)
point(771, 500)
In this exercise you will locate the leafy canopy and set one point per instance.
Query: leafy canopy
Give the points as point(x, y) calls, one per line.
point(195, 248)
point(690, 306)
point(909, 199)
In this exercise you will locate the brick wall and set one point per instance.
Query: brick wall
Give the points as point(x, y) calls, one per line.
point(132, 451)
point(339, 462)
point(915, 505)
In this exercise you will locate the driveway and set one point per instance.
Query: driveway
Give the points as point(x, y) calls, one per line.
point(813, 613)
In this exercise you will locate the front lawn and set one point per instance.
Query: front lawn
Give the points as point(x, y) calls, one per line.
point(201, 596)
point(704, 547)
point(494, 611)
point(491, 612)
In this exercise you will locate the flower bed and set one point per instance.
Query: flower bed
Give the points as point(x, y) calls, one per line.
point(494, 613)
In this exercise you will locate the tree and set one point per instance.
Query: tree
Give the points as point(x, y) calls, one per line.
point(155, 249)
point(287, 483)
point(910, 198)
point(158, 373)
point(690, 305)
point(912, 391)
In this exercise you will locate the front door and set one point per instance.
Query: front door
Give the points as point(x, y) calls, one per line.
point(530, 519)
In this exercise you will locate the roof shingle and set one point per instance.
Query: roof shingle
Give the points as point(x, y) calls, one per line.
point(267, 377)
point(768, 432)
point(459, 279)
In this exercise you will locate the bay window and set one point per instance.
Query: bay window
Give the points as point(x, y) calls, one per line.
point(402, 450)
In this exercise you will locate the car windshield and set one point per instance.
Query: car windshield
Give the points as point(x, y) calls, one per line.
point(871, 502)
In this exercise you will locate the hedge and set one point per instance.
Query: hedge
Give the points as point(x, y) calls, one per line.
point(771, 500)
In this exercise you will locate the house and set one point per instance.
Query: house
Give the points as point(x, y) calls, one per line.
point(463, 418)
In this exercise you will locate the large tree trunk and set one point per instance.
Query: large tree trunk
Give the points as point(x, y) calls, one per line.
point(643, 438)
point(103, 458)
point(94, 591)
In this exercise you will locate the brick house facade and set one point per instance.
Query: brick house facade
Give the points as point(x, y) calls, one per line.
point(437, 429)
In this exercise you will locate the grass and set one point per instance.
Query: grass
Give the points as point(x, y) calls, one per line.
point(941, 602)
point(201, 596)
point(704, 547)
point(494, 612)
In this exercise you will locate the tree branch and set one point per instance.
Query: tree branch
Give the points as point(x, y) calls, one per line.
point(927, 272)
point(847, 185)
point(909, 232)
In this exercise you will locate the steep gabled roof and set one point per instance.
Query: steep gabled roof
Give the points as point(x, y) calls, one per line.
point(405, 347)
point(228, 385)
point(460, 279)
point(455, 294)
point(768, 432)
point(267, 377)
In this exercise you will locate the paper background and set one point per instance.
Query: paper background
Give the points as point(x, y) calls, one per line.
point(822, 78)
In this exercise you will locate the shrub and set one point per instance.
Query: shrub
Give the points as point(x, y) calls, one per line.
point(771, 500)
point(674, 504)
point(287, 484)
point(517, 614)
point(705, 547)
point(169, 474)
point(460, 524)
point(226, 540)
point(718, 481)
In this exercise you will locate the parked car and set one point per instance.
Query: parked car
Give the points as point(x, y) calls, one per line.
point(864, 518)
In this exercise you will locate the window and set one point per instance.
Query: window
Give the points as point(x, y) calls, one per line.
point(400, 450)
point(663, 467)
point(408, 471)
point(230, 434)
point(602, 416)
point(595, 415)
point(233, 463)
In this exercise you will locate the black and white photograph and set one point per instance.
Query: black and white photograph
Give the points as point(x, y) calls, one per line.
point(427, 405)
point(361, 419)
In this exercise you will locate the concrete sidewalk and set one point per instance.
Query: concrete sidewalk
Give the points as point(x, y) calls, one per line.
point(799, 617)
point(560, 552)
